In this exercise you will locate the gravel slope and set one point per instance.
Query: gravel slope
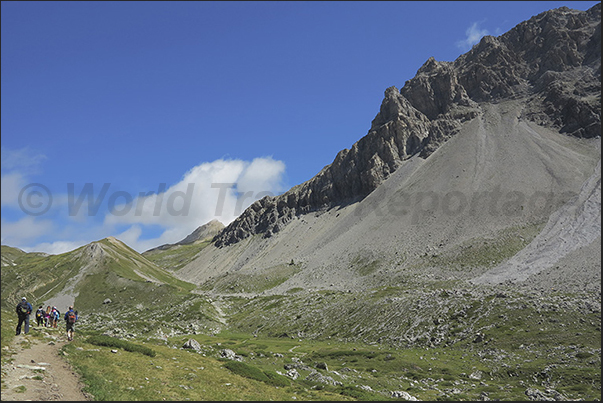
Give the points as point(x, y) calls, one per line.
point(500, 171)
point(574, 230)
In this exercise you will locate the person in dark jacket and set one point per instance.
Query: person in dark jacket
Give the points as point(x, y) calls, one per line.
point(40, 316)
point(70, 322)
point(23, 310)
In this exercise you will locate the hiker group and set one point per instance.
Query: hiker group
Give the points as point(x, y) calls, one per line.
point(48, 317)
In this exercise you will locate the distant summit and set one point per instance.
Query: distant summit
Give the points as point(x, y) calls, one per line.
point(202, 233)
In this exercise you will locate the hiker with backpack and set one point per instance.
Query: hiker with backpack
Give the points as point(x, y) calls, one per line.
point(23, 309)
point(47, 318)
point(70, 319)
point(55, 315)
point(40, 316)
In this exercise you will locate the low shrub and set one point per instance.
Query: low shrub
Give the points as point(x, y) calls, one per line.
point(249, 371)
point(108, 341)
point(358, 393)
point(275, 379)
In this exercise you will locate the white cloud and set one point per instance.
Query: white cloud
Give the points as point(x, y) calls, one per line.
point(474, 35)
point(220, 190)
point(24, 159)
point(131, 235)
point(55, 248)
point(24, 230)
point(16, 166)
point(262, 175)
point(12, 183)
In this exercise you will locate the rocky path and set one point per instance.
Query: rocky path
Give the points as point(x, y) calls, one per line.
point(39, 373)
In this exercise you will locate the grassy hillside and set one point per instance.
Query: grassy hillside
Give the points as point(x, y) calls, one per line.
point(175, 256)
point(405, 336)
point(107, 269)
point(10, 254)
point(36, 276)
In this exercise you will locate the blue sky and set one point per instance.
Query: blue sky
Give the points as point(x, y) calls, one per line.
point(129, 103)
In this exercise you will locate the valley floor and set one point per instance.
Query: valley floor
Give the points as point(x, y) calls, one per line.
point(448, 345)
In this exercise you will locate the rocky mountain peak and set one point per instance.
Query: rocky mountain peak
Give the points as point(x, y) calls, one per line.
point(552, 62)
point(205, 231)
point(436, 89)
point(200, 234)
point(395, 107)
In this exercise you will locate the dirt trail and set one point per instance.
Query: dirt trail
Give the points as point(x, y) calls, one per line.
point(38, 372)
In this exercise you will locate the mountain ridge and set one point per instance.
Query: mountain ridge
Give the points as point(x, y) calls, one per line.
point(432, 106)
point(456, 246)
point(415, 122)
point(88, 274)
point(398, 227)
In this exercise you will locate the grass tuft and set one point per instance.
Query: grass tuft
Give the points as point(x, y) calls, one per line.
point(249, 371)
point(107, 341)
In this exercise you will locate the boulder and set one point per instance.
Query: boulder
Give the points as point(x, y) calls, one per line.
point(192, 344)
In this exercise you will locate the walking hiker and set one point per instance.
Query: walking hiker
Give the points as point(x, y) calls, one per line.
point(23, 309)
point(70, 319)
point(55, 315)
point(40, 316)
point(47, 318)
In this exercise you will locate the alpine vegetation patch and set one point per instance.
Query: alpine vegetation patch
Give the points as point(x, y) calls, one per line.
point(108, 341)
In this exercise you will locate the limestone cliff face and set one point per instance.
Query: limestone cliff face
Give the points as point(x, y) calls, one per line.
point(397, 132)
point(552, 62)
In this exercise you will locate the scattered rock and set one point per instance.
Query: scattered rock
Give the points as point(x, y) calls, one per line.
point(300, 366)
point(477, 375)
point(548, 395)
point(32, 367)
point(479, 337)
point(229, 354)
point(316, 376)
point(293, 374)
point(400, 394)
point(192, 344)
